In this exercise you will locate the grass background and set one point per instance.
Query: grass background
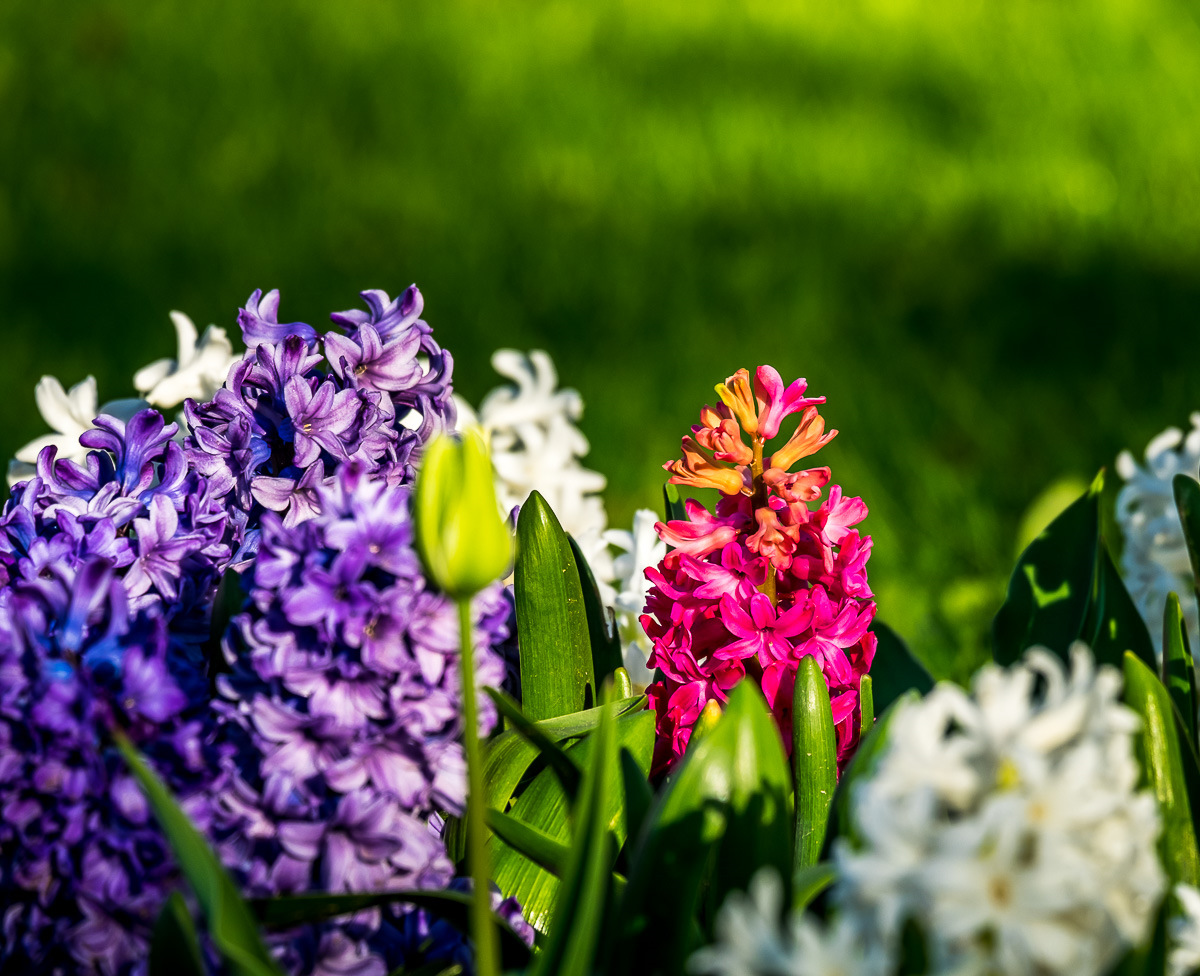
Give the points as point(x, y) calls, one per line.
point(974, 226)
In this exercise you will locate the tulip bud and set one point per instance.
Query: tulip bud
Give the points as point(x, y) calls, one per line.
point(463, 541)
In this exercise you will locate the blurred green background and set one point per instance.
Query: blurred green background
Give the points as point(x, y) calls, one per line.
point(974, 226)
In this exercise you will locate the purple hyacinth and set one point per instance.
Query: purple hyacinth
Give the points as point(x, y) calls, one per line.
point(108, 571)
point(286, 418)
point(342, 719)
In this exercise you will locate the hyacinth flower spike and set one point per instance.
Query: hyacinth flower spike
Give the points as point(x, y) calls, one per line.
point(764, 579)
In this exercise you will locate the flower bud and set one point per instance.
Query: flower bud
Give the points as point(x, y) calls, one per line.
point(463, 541)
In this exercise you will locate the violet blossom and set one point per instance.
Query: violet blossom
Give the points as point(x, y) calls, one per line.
point(342, 720)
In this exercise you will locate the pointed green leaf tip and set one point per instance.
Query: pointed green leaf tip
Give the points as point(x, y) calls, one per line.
point(463, 541)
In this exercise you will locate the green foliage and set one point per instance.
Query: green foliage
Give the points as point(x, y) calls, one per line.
point(602, 624)
point(1050, 589)
point(814, 761)
point(231, 925)
point(722, 815)
point(1187, 501)
point(582, 897)
point(557, 675)
point(1163, 756)
point(1179, 668)
point(895, 669)
point(174, 945)
point(544, 806)
point(1066, 588)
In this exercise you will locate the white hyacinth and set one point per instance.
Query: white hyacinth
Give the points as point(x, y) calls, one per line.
point(197, 373)
point(640, 548)
point(68, 413)
point(751, 942)
point(1008, 824)
point(1185, 933)
point(536, 445)
point(1155, 560)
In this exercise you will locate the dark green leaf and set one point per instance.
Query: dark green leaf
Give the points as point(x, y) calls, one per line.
point(672, 504)
point(230, 596)
point(602, 625)
point(564, 769)
point(230, 923)
point(452, 906)
point(174, 947)
point(1050, 590)
point(1162, 755)
point(579, 911)
point(1187, 500)
point(1179, 669)
point(895, 670)
point(809, 882)
point(638, 795)
point(545, 807)
point(1114, 624)
point(723, 815)
point(509, 755)
point(541, 849)
point(552, 626)
point(814, 760)
point(866, 705)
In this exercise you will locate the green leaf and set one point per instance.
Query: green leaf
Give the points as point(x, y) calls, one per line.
point(1114, 624)
point(552, 627)
point(228, 601)
point(814, 760)
point(454, 907)
point(545, 807)
point(866, 705)
point(230, 923)
point(1050, 589)
point(1187, 500)
point(509, 755)
point(566, 771)
point(673, 509)
point(602, 625)
point(174, 946)
point(809, 882)
point(1162, 756)
point(895, 670)
point(582, 896)
point(638, 795)
point(724, 814)
point(616, 686)
point(1179, 669)
point(541, 849)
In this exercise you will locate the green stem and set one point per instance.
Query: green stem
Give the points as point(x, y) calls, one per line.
point(482, 928)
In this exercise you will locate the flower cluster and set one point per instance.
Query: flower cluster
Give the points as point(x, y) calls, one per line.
point(536, 446)
point(640, 548)
point(751, 942)
point(298, 405)
point(1155, 559)
point(749, 590)
point(341, 710)
point(107, 571)
point(1008, 824)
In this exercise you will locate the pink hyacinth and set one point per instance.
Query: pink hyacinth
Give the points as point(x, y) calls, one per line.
point(750, 589)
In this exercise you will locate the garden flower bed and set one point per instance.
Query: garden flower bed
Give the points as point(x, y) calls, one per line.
point(328, 673)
